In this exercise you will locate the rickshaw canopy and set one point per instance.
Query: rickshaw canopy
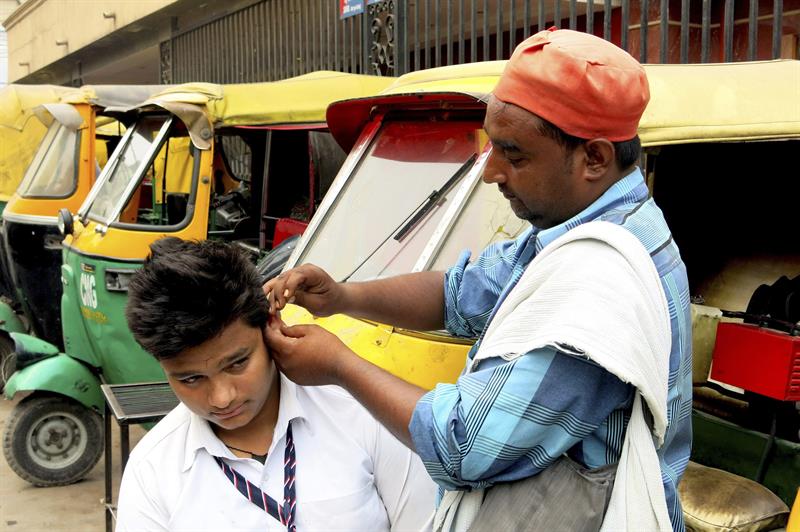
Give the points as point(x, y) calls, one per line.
point(299, 101)
point(688, 103)
point(111, 96)
point(17, 102)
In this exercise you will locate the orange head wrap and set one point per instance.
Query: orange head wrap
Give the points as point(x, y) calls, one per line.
point(583, 84)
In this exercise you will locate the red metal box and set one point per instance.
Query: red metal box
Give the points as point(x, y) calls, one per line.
point(759, 360)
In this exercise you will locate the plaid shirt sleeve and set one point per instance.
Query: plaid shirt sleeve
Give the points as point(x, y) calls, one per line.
point(506, 420)
point(510, 420)
point(467, 311)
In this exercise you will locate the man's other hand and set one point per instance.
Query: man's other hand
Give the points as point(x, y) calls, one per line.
point(308, 286)
point(307, 354)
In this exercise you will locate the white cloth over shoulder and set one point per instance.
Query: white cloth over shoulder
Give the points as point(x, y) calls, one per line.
point(596, 292)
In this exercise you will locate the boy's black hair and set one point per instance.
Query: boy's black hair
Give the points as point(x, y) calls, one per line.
point(188, 292)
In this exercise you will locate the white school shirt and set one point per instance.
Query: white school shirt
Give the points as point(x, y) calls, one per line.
point(351, 473)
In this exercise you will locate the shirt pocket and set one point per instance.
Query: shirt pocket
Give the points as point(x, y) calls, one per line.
point(359, 510)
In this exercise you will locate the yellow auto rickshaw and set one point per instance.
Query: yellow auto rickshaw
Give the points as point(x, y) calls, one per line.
point(20, 136)
point(719, 144)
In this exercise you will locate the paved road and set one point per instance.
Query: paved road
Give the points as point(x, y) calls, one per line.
point(78, 508)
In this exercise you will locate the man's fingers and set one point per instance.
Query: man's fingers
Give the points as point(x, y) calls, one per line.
point(269, 291)
point(294, 282)
point(296, 331)
point(284, 292)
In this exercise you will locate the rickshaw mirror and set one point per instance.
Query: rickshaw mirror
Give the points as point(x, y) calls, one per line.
point(65, 224)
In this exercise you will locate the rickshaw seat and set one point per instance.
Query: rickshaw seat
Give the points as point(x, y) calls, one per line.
point(704, 335)
point(715, 500)
point(286, 227)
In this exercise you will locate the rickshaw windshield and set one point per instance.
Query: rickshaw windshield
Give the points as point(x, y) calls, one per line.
point(53, 170)
point(485, 218)
point(127, 163)
point(391, 205)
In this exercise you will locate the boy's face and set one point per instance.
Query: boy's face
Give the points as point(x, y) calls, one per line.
point(226, 379)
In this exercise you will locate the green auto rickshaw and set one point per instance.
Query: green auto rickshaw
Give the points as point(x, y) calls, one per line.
point(245, 163)
point(79, 132)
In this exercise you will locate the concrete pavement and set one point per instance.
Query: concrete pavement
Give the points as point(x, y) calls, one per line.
point(75, 508)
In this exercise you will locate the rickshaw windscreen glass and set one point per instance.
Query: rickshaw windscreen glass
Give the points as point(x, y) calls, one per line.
point(361, 236)
point(161, 197)
point(122, 168)
point(53, 171)
point(486, 218)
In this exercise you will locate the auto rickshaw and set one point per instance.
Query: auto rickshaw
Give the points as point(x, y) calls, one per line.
point(20, 135)
point(245, 163)
point(79, 133)
point(719, 142)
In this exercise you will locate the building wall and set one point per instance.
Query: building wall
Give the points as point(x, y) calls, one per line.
point(41, 32)
point(227, 41)
point(6, 8)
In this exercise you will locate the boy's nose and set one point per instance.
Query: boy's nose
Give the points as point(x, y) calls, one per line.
point(221, 395)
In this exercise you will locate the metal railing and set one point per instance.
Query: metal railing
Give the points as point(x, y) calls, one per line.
point(275, 39)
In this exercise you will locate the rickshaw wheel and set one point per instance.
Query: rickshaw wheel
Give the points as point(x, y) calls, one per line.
point(52, 440)
point(8, 360)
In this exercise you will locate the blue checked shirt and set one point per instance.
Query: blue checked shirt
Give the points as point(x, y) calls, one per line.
point(509, 420)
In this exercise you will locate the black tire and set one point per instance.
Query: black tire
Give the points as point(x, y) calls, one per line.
point(52, 440)
point(8, 360)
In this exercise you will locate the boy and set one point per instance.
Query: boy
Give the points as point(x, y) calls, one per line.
point(247, 449)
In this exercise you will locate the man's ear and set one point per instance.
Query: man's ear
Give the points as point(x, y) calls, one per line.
point(599, 160)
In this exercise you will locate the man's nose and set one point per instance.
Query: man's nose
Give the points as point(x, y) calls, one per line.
point(493, 171)
point(221, 393)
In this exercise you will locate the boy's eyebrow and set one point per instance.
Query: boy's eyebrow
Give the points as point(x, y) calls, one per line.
point(222, 363)
point(233, 356)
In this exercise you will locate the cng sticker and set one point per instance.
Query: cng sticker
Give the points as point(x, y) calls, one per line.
point(88, 291)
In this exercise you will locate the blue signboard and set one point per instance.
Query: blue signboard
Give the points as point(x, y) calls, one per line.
point(348, 8)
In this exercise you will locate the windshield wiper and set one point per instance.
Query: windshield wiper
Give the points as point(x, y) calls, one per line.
point(434, 198)
point(419, 212)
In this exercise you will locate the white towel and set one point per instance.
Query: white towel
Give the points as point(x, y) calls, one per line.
point(596, 291)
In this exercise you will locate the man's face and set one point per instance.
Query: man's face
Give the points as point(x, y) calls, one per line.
point(226, 379)
point(540, 178)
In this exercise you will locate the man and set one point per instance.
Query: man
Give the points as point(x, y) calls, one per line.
point(247, 449)
point(562, 123)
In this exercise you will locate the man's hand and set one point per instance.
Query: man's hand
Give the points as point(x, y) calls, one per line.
point(307, 354)
point(311, 356)
point(308, 286)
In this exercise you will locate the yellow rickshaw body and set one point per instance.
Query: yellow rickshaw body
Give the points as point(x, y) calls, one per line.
point(20, 131)
point(688, 104)
point(299, 102)
point(88, 101)
point(44, 207)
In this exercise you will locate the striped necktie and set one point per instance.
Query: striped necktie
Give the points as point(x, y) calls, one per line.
point(283, 513)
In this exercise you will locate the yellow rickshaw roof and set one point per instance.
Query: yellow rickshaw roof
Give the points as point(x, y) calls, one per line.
point(120, 96)
point(299, 100)
point(688, 103)
point(722, 101)
point(18, 101)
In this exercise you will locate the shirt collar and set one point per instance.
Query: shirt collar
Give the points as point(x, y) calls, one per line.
point(201, 436)
point(629, 189)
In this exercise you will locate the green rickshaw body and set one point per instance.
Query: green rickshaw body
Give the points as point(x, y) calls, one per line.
point(59, 374)
point(95, 330)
